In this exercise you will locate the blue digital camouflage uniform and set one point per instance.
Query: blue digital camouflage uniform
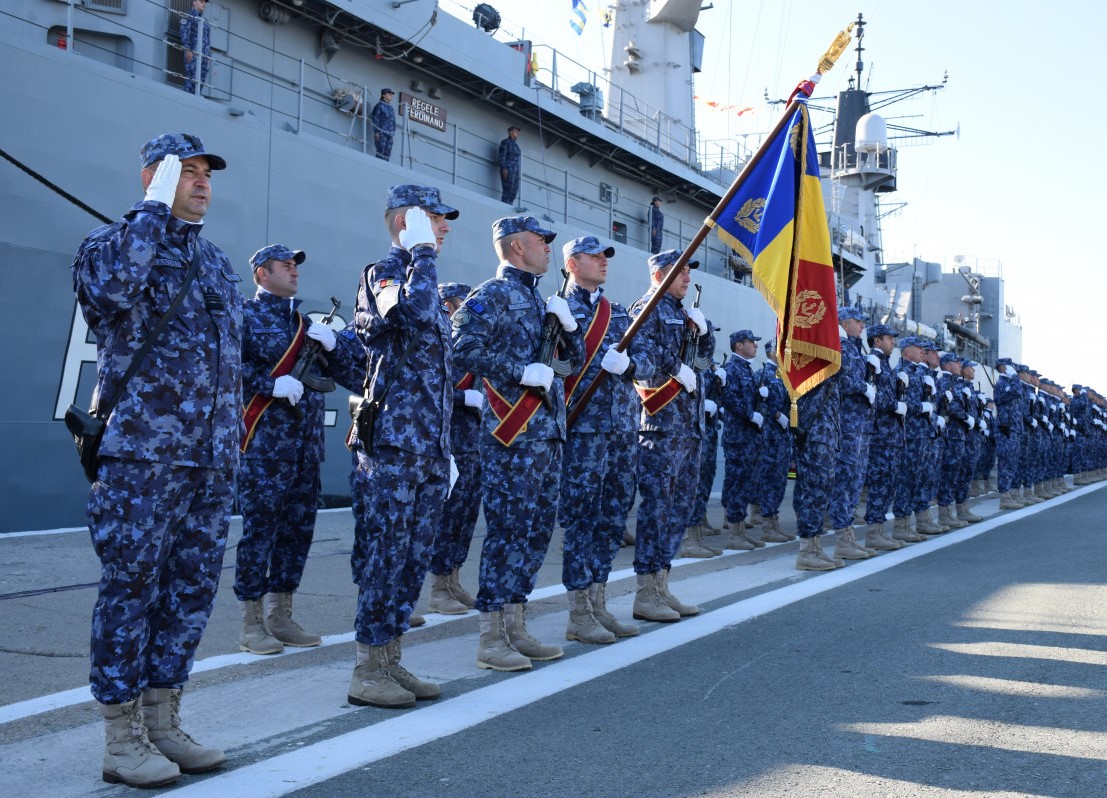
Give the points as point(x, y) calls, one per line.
point(887, 443)
point(510, 160)
point(459, 516)
point(669, 440)
point(657, 228)
point(986, 459)
point(497, 333)
point(856, 426)
point(190, 23)
point(384, 126)
point(917, 430)
point(278, 484)
point(709, 446)
point(771, 479)
point(817, 438)
point(1081, 414)
point(932, 447)
point(159, 511)
point(597, 476)
point(403, 471)
point(1024, 476)
point(953, 464)
point(741, 437)
point(1010, 410)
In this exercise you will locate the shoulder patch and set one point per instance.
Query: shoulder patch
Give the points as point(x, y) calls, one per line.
point(475, 306)
point(383, 284)
point(460, 318)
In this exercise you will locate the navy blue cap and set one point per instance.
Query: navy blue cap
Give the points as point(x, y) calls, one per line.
point(850, 312)
point(509, 225)
point(276, 252)
point(1005, 361)
point(949, 357)
point(1020, 367)
point(453, 291)
point(589, 245)
point(387, 91)
point(968, 364)
point(927, 344)
point(668, 258)
point(742, 335)
point(183, 145)
point(426, 197)
point(910, 340)
point(876, 330)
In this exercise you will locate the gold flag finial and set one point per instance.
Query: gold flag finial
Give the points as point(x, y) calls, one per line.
point(837, 47)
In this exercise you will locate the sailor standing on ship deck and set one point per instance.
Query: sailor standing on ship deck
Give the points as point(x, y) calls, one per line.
point(159, 510)
point(510, 159)
point(197, 53)
point(384, 125)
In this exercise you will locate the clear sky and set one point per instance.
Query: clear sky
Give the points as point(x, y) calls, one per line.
point(1017, 189)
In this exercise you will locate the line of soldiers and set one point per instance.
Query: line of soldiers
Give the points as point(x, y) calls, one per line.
point(458, 389)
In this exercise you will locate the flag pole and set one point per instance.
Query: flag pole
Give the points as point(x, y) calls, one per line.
point(837, 47)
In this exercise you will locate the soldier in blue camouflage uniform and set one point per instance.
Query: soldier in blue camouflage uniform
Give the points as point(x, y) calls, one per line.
point(953, 469)
point(1010, 409)
point(1080, 410)
point(927, 491)
point(857, 388)
point(887, 442)
point(196, 53)
point(817, 437)
point(278, 485)
point(597, 475)
point(510, 160)
point(459, 518)
point(159, 510)
point(742, 425)
point(404, 457)
point(498, 335)
point(771, 479)
point(384, 125)
point(698, 526)
point(911, 372)
point(669, 436)
point(1028, 452)
point(986, 461)
point(657, 225)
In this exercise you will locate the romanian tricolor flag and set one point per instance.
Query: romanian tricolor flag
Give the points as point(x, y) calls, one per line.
point(775, 219)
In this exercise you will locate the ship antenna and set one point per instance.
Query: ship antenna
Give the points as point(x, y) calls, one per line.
point(860, 33)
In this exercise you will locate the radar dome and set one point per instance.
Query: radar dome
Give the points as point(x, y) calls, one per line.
point(871, 134)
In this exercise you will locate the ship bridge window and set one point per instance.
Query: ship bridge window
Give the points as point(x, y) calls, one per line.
point(116, 51)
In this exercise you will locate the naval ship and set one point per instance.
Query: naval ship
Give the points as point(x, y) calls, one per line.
point(286, 101)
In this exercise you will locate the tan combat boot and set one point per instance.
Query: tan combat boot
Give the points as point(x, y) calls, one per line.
point(947, 519)
point(372, 684)
point(901, 530)
point(846, 549)
point(280, 625)
point(255, 638)
point(876, 540)
point(423, 691)
point(755, 518)
point(129, 756)
point(161, 711)
point(925, 527)
point(810, 557)
point(701, 533)
point(965, 514)
point(690, 545)
point(648, 603)
point(753, 535)
point(597, 597)
point(515, 622)
point(737, 540)
point(494, 651)
point(675, 604)
point(457, 591)
point(583, 625)
point(442, 599)
point(1008, 501)
point(771, 531)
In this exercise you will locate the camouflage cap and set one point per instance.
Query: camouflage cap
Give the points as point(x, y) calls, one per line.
point(742, 335)
point(928, 345)
point(968, 364)
point(276, 252)
point(387, 91)
point(876, 330)
point(426, 197)
point(949, 357)
point(910, 340)
point(1021, 367)
point(509, 225)
point(1004, 361)
point(183, 145)
point(668, 258)
point(453, 291)
point(850, 312)
point(589, 245)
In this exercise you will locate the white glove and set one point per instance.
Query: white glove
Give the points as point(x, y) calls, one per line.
point(720, 372)
point(709, 407)
point(782, 420)
point(537, 375)
point(323, 334)
point(984, 426)
point(949, 396)
point(1010, 371)
point(757, 419)
point(696, 316)
point(763, 392)
point(417, 230)
point(870, 394)
point(929, 381)
point(474, 399)
point(614, 361)
point(560, 308)
point(904, 378)
point(971, 422)
point(1050, 426)
point(454, 474)
point(980, 395)
point(927, 407)
point(967, 391)
point(941, 422)
point(163, 188)
point(901, 408)
point(1034, 423)
point(873, 361)
point(288, 387)
point(687, 378)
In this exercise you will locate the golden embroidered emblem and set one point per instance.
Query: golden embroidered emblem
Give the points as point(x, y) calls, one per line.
point(801, 361)
point(810, 309)
point(749, 216)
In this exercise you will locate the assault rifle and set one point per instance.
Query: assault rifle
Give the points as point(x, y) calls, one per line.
point(690, 351)
point(311, 352)
point(551, 334)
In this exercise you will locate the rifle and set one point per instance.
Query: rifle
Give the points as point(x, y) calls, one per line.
point(311, 352)
point(690, 350)
point(551, 334)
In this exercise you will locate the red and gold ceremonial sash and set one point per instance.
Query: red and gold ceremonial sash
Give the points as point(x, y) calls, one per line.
point(513, 417)
point(466, 382)
point(597, 332)
point(260, 403)
point(654, 400)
